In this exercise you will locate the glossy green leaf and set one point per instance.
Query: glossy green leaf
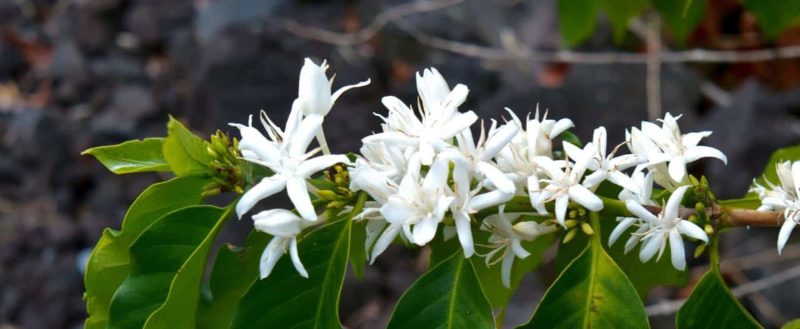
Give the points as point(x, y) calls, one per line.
point(234, 271)
point(681, 16)
point(447, 296)
point(287, 300)
point(131, 156)
point(109, 262)
point(620, 13)
point(490, 276)
point(794, 324)
point(592, 292)
point(185, 153)
point(643, 276)
point(712, 305)
point(576, 20)
point(167, 266)
point(358, 253)
point(774, 16)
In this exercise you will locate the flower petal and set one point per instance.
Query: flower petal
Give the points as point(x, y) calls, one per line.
point(670, 211)
point(301, 137)
point(278, 222)
point(621, 228)
point(651, 247)
point(786, 230)
point(425, 230)
point(272, 253)
point(677, 168)
point(696, 152)
point(265, 188)
point(691, 230)
point(384, 241)
point(505, 270)
point(464, 230)
point(313, 165)
point(584, 197)
point(296, 259)
point(677, 252)
point(562, 202)
point(298, 194)
point(497, 177)
point(342, 90)
point(639, 211)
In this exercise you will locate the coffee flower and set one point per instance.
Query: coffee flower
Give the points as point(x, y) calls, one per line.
point(668, 226)
point(314, 93)
point(440, 120)
point(506, 240)
point(563, 185)
point(285, 153)
point(606, 166)
point(666, 144)
point(784, 196)
point(284, 226)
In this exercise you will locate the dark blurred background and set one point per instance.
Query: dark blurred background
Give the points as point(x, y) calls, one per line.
point(81, 73)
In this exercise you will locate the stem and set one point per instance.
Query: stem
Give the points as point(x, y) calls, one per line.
point(359, 205)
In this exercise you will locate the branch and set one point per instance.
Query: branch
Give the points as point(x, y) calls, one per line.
point(568, 56)
point(361, 36)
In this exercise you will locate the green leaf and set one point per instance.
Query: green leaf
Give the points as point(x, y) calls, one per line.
point(292, 301)
point(185, 153)
point(681, 16)
point(794, 324)
point(131, 156)
point(447, 296)
point(643, 276)
point(774, 16)
point(167, 266)
point(109, 262)
point(490, 276)
point(234, 271)
point(358, 252)
point(619, 13)
point(711, 304)
point(592, 292)
point(576, 20)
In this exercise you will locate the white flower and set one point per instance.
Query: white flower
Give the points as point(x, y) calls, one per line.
point(284, 226)
point(666, 144)
point(539, 134)
point(314, 92)
point(667, 226)
point(564, 185)
point(440, 120)
point(417, 208)
point(642, 191)
point(785, 196)
point(284, 154)
point(605, 166)
point(506, 240)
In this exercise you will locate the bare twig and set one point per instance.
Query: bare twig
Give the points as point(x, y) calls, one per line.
point(653, 83)
point(760, 303)
point(367, 33)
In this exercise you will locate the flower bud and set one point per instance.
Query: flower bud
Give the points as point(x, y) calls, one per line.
point(586, 228)
point(570, 235)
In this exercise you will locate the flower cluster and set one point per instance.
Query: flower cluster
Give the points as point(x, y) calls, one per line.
point(426, 173)
point(784, 196)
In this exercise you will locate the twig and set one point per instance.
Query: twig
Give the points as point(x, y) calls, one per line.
point(381, 20)
point(653, 82)
point(760, 303)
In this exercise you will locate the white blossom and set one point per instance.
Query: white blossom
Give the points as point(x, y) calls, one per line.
point(563, 185)
point(314, 92)
point(417, 208)
point(440, 120)
point(666, 145)
point(285, 154)
point(605, 166)
point(506, 240)
point(783, 196)
point(665, 228)
point(284, 226)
